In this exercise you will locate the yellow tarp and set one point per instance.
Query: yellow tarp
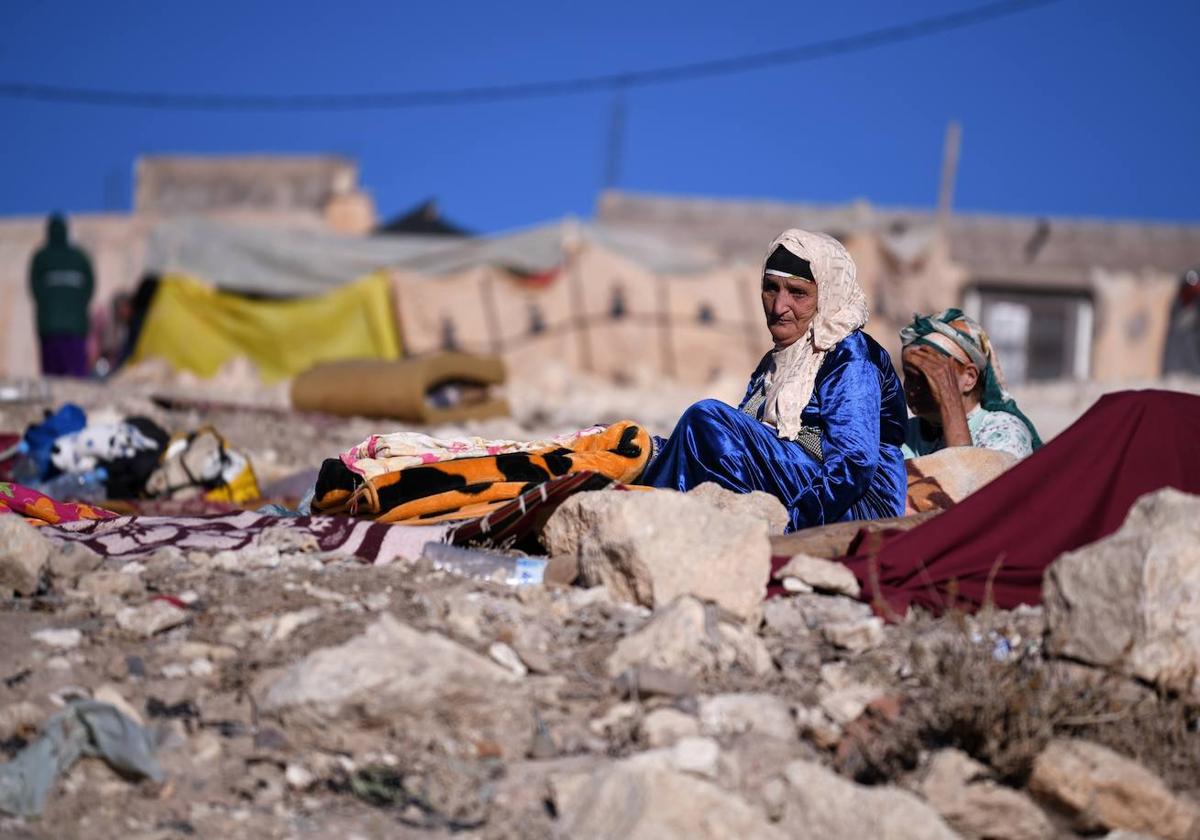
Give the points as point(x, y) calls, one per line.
point(197, 328)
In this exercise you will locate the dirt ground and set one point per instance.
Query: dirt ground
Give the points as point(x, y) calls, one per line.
point(980, 684)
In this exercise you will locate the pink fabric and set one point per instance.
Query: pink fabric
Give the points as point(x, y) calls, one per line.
point(40, 509)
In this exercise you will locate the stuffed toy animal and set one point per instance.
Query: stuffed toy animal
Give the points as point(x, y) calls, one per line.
point(97, 445)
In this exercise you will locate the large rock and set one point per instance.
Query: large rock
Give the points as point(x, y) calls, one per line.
point(417, 683)
point(687, 637)
point(820, 610)
point(23, 555)
point(651, 547)
point(70, 560)
point(723, 715)
point(1132, 600)
point(819, 574)
point(842, 696)
point(855, 636)
point(110, 585)
point(1101, 789)
point(822, 805)
point(961, 470)
point(755, 504)
point(151, 619)
point(963, 792)
point(649, 797)
point(831, 541)
point(663, 727)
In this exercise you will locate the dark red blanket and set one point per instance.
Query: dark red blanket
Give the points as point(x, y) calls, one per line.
point(1075, 490)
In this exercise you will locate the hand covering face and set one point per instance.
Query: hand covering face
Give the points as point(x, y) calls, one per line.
point(954, 334)
point(841, 309)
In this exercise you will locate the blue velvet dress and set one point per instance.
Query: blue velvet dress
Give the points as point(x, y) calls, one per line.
point(858, 405)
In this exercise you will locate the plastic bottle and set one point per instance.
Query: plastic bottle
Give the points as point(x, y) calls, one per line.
point(482, 564)
point(78, 487)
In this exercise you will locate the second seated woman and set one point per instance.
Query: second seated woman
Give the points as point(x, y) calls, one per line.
point(956, 390)
point(823, 418)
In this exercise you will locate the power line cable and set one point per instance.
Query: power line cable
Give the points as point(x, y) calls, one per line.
point(482, 94)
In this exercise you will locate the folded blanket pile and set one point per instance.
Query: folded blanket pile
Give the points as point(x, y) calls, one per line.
point(470, 487)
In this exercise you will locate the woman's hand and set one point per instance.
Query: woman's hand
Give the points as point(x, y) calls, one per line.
point(941, 375)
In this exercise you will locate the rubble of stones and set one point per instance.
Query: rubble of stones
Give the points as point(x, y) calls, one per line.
point(301, 695)
point(294, 694)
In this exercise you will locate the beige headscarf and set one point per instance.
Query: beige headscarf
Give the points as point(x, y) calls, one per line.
point(841, 309)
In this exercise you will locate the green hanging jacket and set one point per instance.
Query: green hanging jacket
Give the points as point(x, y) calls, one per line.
point(61, 282)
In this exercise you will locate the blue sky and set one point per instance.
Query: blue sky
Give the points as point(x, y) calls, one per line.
point(1082, 108)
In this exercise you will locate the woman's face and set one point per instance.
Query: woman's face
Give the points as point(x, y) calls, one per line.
point(789, 304)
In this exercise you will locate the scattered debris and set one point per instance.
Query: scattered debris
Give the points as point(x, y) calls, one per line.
point(288, 690)
point(85, 728)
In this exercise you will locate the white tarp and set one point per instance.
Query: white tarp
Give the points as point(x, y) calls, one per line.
point(289, 262)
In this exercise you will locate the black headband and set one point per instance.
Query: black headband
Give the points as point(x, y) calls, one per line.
point(782, 259)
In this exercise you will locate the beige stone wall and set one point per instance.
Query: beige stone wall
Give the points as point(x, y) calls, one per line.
point(1132, 313)
point(691, 328)
point(116, 244)
point(662, 332)
point(659, 333)
point(352, 214)
point(271, 183)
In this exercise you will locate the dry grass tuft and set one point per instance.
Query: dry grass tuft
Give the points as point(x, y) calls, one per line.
point(1003, 711)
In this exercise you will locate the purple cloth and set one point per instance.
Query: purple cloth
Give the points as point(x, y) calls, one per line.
point(64, 355)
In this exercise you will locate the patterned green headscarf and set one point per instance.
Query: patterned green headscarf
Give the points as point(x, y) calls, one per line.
point(966, 334)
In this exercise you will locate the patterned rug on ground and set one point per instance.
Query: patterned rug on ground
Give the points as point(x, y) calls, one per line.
point(515, 524)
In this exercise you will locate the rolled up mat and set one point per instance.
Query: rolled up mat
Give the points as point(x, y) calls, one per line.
point(399, 389)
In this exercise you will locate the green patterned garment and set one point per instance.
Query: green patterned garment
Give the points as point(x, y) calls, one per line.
point(996, 423)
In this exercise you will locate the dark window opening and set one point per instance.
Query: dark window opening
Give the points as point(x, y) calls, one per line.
point(617, 308)
point(449, 335)
point(1036, 335)
point(537, 322)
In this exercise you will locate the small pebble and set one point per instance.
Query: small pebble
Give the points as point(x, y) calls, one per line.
point(506, 656)
point(299, 777)
point(58, 663)
point(63, 638)
point(200, 668)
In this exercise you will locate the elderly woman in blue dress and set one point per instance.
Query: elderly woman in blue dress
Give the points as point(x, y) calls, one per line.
point(823, 419)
